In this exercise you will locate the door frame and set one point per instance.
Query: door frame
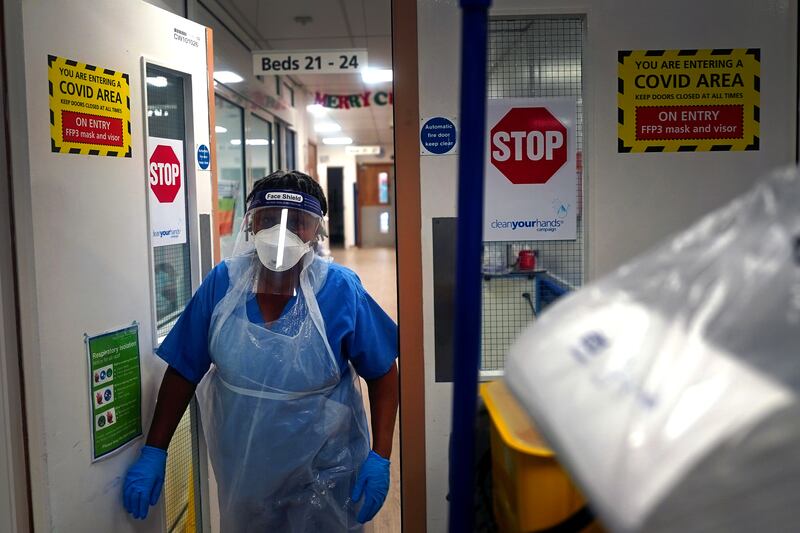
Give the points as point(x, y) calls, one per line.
point(16, 506)
point(408, 224)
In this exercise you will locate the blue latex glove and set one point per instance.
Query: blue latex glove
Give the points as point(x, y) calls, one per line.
point(144, 481)
point(373, 484)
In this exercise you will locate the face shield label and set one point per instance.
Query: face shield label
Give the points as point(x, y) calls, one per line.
point(284, 197)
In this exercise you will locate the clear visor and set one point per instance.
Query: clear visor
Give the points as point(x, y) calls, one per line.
point(307, 227)
point(279, 239)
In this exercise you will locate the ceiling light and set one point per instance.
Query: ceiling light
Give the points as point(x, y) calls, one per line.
point(256, 142)
point(236, 142)
point(157, 81)
point(376, 75)
point(220, 129)
point(327, 127)
point(226, 76)
point(363, 150)
point(316, 110)
point(337, 140)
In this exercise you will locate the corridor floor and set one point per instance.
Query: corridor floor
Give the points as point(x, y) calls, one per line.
point(377, 269)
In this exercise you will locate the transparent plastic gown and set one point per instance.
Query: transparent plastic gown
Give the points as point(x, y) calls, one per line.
point(670, 387)
point(286, 430)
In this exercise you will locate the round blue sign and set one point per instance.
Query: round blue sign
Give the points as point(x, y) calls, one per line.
point(203, 157)
point(438, 135)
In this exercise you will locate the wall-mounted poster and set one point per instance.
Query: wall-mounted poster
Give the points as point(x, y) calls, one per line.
point(90, 109)
point(689, 100)
point(166, 179)
point(115, 389)
point(531, 170)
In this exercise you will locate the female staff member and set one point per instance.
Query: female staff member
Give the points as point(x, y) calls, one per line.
point(286, 332)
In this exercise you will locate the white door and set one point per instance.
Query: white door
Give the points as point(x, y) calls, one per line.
point(89, 262)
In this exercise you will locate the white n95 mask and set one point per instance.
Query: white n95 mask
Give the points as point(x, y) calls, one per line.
point(279, 251)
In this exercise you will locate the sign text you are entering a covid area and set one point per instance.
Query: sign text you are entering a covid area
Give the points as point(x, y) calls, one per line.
point(89, 109)
point(689, 100)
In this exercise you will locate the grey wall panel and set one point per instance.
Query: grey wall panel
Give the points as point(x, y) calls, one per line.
point(206, 256)
point(444, 286)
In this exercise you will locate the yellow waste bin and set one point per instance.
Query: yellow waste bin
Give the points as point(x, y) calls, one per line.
point(531, 491)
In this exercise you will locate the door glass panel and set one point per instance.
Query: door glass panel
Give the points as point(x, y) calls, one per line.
point(383, 187)
point(259, 148)
point(279, 147)
point(172, 263)
point(231, 187)
point(173, 289)
point(291, 142)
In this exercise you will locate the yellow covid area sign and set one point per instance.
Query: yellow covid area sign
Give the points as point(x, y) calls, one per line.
point(90, 109)
point(688, 100)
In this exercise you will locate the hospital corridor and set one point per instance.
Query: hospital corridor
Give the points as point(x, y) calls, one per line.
point(377, 269)
point(399, 266)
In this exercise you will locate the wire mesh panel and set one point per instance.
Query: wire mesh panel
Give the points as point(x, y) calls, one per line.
point(507, 309)
point(173, 289)
point(531, 57)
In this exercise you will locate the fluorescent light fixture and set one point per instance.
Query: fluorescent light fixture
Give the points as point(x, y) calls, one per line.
point(341, 141)
point(157, 81)
point(316, 110)
point(250, 142)
point(226, 76)
point(220, 129)
point(327, 127)
point(376, 75)
point(363, 150)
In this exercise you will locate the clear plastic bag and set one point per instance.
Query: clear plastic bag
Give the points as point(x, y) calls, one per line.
point(670, 387)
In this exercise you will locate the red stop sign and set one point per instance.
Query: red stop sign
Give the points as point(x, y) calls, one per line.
point(165, 174)
point(528, 145)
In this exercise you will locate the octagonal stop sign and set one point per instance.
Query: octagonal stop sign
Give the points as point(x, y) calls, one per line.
point(164, 170)
point(528, 145)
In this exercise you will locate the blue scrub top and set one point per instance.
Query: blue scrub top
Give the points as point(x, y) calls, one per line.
point(358, 329)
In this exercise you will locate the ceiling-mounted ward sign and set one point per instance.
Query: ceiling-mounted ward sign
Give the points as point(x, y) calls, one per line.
point(90, 109)
point(689, 100)
point(309, 61)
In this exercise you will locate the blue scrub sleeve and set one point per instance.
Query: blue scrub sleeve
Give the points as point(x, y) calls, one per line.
point(186, 346)
point(372, 344)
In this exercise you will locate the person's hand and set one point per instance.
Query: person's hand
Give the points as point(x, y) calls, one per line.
point(373, 484)
point(144, 481)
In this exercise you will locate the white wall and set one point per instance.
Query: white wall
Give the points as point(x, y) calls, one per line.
point(83, 257)
point(633, 200)
point(336, 157)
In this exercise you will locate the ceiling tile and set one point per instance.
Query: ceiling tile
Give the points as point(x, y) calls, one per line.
point(276, 19)
point(379, 16)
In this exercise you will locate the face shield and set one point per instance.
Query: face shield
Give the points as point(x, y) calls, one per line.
point(280, 228)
